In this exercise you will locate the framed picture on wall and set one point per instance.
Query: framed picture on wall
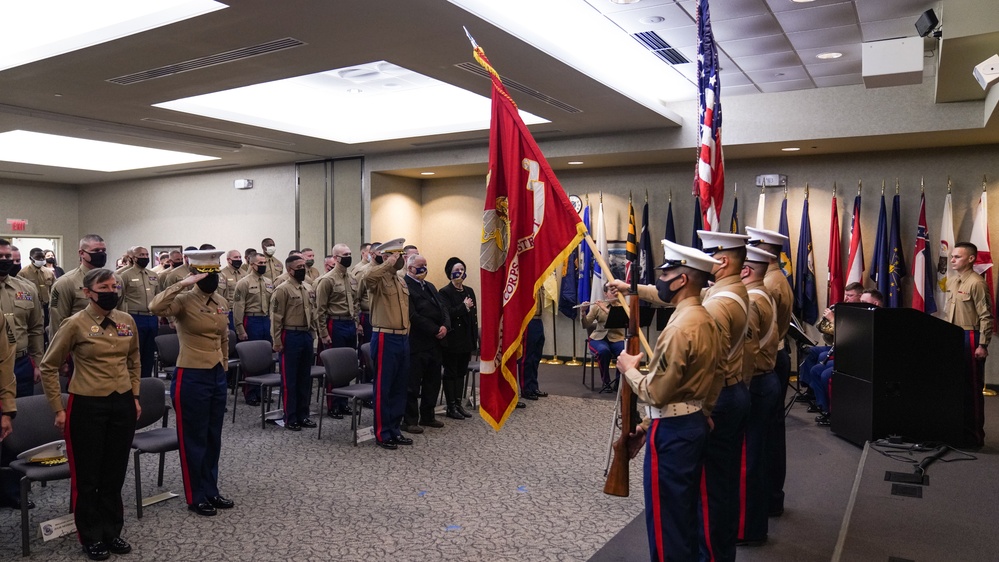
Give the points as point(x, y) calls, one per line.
point(617, 258)
point(155, 251)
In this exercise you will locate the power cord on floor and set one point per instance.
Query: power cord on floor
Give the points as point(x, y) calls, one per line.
point(893, 448)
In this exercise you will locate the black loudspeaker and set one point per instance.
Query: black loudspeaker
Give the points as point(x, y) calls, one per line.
point(927, 23)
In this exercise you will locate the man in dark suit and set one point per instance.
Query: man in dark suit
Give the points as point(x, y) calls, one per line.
point(429, 324)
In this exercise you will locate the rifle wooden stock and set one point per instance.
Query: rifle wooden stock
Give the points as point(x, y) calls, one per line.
point(617, 483)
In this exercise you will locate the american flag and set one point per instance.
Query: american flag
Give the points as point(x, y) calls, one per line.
point(710, 165)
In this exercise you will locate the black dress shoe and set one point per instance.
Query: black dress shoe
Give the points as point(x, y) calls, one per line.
point(346, 410)
point(307, 423)
point(414, 429)
point(118, 545)
point(461, 410)
point(814, 408)
point(252, 402)
point(432, 423)
point(15, 503)
point(608, 387)
point(402, 440)
point(293, 427)
point(203, 508)
point(97, 551)
point(221, 502)
point(335, 414)
point(540, 393)
point(521, 404)
point(529, 396)
point(453, 413)
point(387, 444)
point(824, 419)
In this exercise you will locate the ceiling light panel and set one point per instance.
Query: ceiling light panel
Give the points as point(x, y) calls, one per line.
point(849, 52)
point(393, 103)
point(42, 149)
point(71, 25)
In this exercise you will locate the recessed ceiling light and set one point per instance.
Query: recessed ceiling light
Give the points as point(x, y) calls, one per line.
point(624, 1)
point(790, 149)
point(652, 20)
point(829, 55)
point(575, 162)
point(323, 108)
point(71, 25)
point(427, 173)
point(802, 1)
point(778, 74)
point(42, 149)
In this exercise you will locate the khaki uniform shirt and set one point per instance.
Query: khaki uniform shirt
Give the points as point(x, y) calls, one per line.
point(968, 305)
point(761, 347)
point(780, 291)
point(389, 297)
point(312, 275)
point(334, 298)
point(228, 278)
point(274, 268)
point(282, 279)
point(202, 325)
point(356, 273)
point(173, 275)
point(595, 319)
point(252, 297)
point(731, 317)
point(245, 268)
point(139, 286)
point(292, 306)
point(683, 362)
point(159, 269)
point(42, 277)
point(105, 356)
point(25, 319)
point(8, 384)
point(67, 298)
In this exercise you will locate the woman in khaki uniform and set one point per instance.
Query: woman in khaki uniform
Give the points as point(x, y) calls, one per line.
point(99, 419)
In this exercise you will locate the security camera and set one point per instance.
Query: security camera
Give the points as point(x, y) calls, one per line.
point(987, 71)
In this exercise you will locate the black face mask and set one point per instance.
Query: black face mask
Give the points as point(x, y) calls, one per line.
point(142, 262)
point(6, 266)
point(50, 260)
point(176, 264)
point(15, 268)
point(299, 275)
point(209, 283)
point(345, 261)
point(665, 293)
point(97, 259)
point(400, 263)
point(261, 269)
point(379, 260)
point(106, 301)
point(236, 264)
point(310, 263)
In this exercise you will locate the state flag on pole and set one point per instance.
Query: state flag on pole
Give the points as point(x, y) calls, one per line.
point(834, 292)
point(879, 263)
point(646, 271)
point(806, 303)
point(670, 228)
point(695, 240)
point(585, 262)
point(922, 265)
point(980, 238)
point(944, 271)
point(710, 180)
point(631, 244)
point(855, 263)
point(896, 259)
point(598, 280)
point(528, 229)
point(761, 210)
point(785, 253)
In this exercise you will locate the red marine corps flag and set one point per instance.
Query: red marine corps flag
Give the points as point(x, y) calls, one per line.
point(528, 228)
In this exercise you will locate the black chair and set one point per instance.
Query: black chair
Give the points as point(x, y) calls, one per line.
point(34, 426)
point(367, 366)
point(232, 369)
point(152, 399)
point(341, 368)
point(256, 364)
point(167, 351)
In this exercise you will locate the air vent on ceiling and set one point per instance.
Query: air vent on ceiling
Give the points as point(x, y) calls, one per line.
point(210, 60)
point(653, 42)
point(474, 68)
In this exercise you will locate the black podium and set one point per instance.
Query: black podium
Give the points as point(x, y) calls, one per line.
point(897, 372)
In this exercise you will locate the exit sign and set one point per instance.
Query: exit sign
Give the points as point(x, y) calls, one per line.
point(17, 225)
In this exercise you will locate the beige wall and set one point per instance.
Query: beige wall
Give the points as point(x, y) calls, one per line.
point(52, 210)
point(395, 209)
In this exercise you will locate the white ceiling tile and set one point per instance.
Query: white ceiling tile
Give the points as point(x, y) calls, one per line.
point(739, 90)
point(733, 9)
point(788, 5)
point(786, 86)
point(679, 36)
point(874, 10)
point(778, 75)
point(851, 52)
point(608, 7)
point(888, 29)
point(834, 15)
point(743, 28)
point(832, 68)
point(765, 62)
point(734, 78)
point(756, 46)
point(690, 51)
point(632, 20)
point(825, 37)
point(842, 80)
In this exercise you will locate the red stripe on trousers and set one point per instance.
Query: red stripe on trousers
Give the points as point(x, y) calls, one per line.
point(71, 458)
point(378, 384)
point(706, 513)
point(657, 516)
point(188, 491)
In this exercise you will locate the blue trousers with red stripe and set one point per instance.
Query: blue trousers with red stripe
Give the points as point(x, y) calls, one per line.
point(257, 328)
point(24, 374)
point(390, 354)
point(718, 505)
point(365, 319)
point(754, 478)
point(605, 351)
point(974, 411)
point(673, 460)
point(149, 327)
point(199, 398)
point(778, 434)
point(296, 380)
point(99, 431)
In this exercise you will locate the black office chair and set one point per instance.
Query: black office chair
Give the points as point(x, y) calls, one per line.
point(341, 368)
point(167, 351)
point(256, 363)
point(152, 399)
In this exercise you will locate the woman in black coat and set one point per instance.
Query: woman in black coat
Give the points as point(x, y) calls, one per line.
point(462, 339)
